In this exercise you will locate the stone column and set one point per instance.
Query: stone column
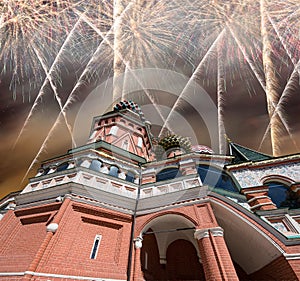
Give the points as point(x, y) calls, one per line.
point(137, 271)
point(217, 263)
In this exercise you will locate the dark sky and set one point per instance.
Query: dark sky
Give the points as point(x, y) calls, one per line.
point(243, 100)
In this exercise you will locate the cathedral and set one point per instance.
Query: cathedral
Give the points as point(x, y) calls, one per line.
point(128, 206)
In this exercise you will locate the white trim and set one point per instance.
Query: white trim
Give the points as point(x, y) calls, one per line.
point(293, 223)
point(98, 237)
point(7, 201)
point(262, 204)
point(258, 197)
point(204, 233)
point(254, 191)
point(295, 256)
point(72, 277)
point(12, 273)
point(201, 233)
point(217, 231)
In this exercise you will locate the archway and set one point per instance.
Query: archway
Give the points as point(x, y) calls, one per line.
point(170, 251)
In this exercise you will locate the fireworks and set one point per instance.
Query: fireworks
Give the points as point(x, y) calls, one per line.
point(218, 43)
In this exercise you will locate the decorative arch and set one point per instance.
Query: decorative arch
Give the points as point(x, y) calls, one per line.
point(147, 223)
point(168, 173)
point(215, 177)
point(168, 227)
point(278, 178)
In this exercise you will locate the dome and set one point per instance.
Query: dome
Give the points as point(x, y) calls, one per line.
point(202, 149)
point(170, 143)
point(131, 106)
point(175, 141)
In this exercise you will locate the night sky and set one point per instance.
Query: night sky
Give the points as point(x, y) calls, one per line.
point(244, 101)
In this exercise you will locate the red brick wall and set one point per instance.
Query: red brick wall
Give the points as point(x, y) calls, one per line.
point(21, 234)
point(69, 250)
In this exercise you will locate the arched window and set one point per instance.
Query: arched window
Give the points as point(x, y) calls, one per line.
point(168, 174)
point(214, 177)
point(278, 192)
point(62, 167)
point(130, 177)
point(95, 165)
point(114, 171)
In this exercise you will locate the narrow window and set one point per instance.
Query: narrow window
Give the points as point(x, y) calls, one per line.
point(140, 142)
point(95, 247)
point(146, 260)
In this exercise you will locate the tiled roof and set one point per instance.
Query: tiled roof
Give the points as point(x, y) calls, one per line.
point(244, 154)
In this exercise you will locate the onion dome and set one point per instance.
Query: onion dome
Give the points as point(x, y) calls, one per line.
point(170, 143)
point(202, 149)
point(131, 106)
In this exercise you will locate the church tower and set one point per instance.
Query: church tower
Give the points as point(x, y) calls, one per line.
point(125, 127)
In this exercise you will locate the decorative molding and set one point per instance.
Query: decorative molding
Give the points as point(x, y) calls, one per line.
point(245, 191)
point(217, 231)
point(71, 277)
point(101, 222)
point(201, 233)
point(204, 233)
point(295, 256)
point(262, 204)
point(258, 197)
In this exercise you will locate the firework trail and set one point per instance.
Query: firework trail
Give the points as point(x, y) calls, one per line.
point(126, 63)
point(283, 42)
point(46, 80)
point(119, 66)
point(270, 78)
point(196, 74)
point(279, 107)
point(70, 98)
point(221, 90)
point(250, 62)
point(27, 23)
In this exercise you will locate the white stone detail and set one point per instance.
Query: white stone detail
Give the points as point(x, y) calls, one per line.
point(217, 231)
point(52, 227)
point(201, 233)
point(138, 242)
